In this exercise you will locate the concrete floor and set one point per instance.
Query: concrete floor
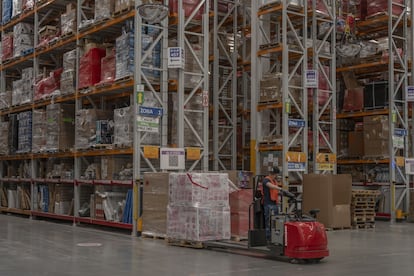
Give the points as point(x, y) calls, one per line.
point(32, 248)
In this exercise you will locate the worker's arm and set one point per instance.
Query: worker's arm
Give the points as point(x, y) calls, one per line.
point(271, 186)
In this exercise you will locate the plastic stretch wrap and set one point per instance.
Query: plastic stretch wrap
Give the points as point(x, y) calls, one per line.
point(104, 9)
point(124, 59)
point(189, 6)
point(123, 128)
point(60, 127)
point(90, 67)
point(49, 85)
point(68, 22)
point(86, 126)
point(7, 46)
point(24, 139)
point(375, 7)
point(199, 189)
point(6, 11)
point(108, 68)
point(121, 5)
point(39, 130)
point(5, 99)
point(16, 7)
point(4, 141)
point(23, 38)
point(68, 77)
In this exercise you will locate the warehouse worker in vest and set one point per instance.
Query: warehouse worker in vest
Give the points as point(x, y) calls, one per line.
point(271, 188)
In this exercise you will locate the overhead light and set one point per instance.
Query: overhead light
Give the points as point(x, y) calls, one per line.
point(153, 11)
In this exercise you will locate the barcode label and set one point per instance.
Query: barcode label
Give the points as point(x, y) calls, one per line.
point(173, 160)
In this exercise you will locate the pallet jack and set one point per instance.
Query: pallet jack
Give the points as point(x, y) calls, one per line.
point(295, 237)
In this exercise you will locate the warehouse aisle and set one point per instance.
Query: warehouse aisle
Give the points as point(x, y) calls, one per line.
point(31, 247)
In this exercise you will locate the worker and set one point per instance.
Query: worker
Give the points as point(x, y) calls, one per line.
point(271, 188)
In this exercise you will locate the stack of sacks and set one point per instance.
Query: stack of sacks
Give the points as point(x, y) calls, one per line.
point(68, 77)
point(239, 207)
point(48, 85)
point(7, 46)
point(85, 137)
point(39, 131)
point(123, 129)
point(60, 127)
point(23, 38)
point(90, 68)
point(198, 207)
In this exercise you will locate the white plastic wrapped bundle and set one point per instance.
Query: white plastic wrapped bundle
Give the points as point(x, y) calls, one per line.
point(199, 189)
point(68, 22)
point(5, 99)
point(123, 128)
point(17, 92)
point(86, 126)
point(16, 7)
point(124, 58)
point(104, 9)
point(198, 223)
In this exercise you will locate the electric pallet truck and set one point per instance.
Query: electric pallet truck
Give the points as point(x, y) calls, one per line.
point(295, 237)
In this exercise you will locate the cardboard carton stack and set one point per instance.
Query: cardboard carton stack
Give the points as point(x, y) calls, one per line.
point(124, 59)
point(85, 136)
point(7, 46)
point(4, 141)
point(60, 127)
point(22, 92)
point(331, 194)
point(239, 207)
point(198, 207)
point(112, 167)
point(24, 132)
point(155, 202)
point(271, 88)
point(68, 77)
point(376, 136)
point(62, 197)
point(363, 208)
point(39, 130)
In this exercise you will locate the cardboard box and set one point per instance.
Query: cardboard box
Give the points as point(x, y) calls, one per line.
point(356, 144)
point(242, 179)
point(112, 165)
point(376, 136)
point(332, 195)
point(154, 202)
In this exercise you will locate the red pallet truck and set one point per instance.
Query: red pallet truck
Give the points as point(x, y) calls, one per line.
point(295, 237)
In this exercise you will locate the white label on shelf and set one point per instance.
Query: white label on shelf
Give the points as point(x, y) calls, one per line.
point(205, 98)
point(176, 57)
point(172, 159)
point(311, 78)
point(148, 124)
point(296, 166)
point(410, 93)
point(409, 166)
point(398, 141)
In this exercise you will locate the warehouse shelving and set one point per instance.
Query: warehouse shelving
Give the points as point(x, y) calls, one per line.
point(396, 28)
point(278, 117)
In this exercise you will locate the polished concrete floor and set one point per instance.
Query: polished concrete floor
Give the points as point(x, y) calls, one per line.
point(32, 247)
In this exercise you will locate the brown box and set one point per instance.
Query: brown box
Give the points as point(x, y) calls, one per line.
point(155, 201)
point(376, 136)
point(332, 195)
point(356, 144)
point(242, 179)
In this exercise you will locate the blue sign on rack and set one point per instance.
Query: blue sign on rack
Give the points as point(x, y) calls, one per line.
point(400, 132)
point(296, 123)
point(150, 111)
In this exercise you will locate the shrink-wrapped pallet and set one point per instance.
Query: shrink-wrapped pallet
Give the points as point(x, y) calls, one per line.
point(24, 139)
point(86, 126)
point(39, 130)
point(4, 141)
point(90, 67)
point(104, 9)
point(123, 129)
point(7, 46)
point(60, 127)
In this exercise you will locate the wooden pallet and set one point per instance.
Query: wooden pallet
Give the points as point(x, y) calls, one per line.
point(238, 238)
point(122, 11)
point(154, 236)
point(337, 228)
point(363, 226)
point(100, 21)
point(85, 90)
point(123, 79)
point(185, 243)
point(67, 35)
point(269, 46)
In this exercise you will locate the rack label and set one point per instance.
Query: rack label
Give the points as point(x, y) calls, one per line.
point(172, 159)
point(148, 124)
point(296, 123)
point(410, 93)
point(150, 111)
point(311, 78)
point(176, 57)
point(296, 166)
point(409, 166)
